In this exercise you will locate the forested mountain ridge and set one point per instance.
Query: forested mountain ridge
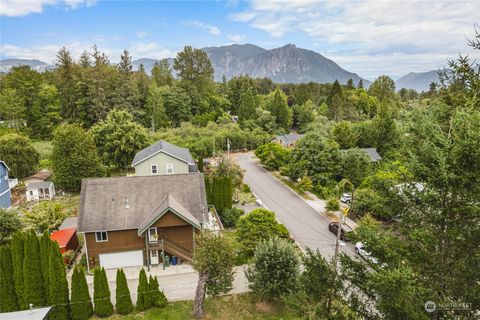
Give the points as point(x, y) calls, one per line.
point(419, 81)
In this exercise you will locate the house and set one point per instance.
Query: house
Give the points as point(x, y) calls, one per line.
point(371, 152)
point(163, 158)
point(6, 185)
point(134, 221)
point(41, 176)
point(32, 314)
point(38, 191)
point(288, 140)
point(66, 239)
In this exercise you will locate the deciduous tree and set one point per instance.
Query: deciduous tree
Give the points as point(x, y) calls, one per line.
point(19, 154)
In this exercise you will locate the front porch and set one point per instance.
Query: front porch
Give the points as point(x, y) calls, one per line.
point(164, 252)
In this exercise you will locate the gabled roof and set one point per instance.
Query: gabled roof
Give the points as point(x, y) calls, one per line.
point(123, 203)
point(290, 138)
point(5, 165)
point(35, 314)
point(181, 154)
point(39, 185)
point(43, 174)
point(63, 236)
point(169, 204)
point(371, 152)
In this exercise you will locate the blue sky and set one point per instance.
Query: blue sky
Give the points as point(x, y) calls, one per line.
point(363, 36)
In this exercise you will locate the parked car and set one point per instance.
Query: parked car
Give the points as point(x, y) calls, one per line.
point(344, 233)
point(360, 250)
point(346, 198)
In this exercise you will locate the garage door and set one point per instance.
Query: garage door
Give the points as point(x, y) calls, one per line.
point(121, 259)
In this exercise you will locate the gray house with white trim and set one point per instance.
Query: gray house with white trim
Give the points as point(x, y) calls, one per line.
point(163, 158)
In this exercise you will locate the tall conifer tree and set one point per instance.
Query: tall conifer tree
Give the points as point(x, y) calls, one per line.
point(124, 303)
point(58, 286)
point(45, 245)
point(8, 297)
point(18, 240)
point(34, 291)
point(82, 308)
point(142, 298)
point(103, 305)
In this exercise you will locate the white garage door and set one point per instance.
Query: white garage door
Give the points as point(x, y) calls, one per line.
point(122, 259)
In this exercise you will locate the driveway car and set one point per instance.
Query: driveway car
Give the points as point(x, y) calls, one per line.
point(360, 250)
point(346, 198)
point(333, 227)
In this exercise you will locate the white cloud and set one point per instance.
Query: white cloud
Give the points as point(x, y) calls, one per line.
point(141, 34)
point(15, 8)
point(202, 25)
point(236, 37)
point(48, 52)
point(371, 34)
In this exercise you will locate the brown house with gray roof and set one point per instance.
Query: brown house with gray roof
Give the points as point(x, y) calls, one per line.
point(134, 221)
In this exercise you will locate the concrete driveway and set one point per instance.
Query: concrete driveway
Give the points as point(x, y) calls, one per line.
point(308, 227)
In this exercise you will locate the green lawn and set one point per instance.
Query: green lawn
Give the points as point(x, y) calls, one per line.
point(240, 307)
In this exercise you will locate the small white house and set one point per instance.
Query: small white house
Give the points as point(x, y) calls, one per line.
point(39, 191)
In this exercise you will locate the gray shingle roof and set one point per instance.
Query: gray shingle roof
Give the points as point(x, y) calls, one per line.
point(372, 153)
point(39, 185)
point(289, 138)
point(103, 201)
point(182, 154)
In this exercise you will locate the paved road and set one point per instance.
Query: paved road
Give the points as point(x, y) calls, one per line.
point(307, 226)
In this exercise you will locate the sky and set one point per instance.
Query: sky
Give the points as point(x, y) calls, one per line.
point(363, 36)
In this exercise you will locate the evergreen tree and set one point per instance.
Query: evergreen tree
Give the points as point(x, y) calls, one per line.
point(45, 248)
point(18, 240)
point(247, 109)
point(278, 107)
point(360, 84)
point(200, 164)
point(158, 298)
point(82, 308)
point(58, 286)
point(335, 102)
point(350, 85)
point(195, 68)
point(162, 73)
point(66, 70)
point(34, 291)
point(124, 303)
point(8, 297)
point(103, 305)
point(142, 292)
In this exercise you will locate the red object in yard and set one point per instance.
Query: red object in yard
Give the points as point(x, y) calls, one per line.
point(66, 239)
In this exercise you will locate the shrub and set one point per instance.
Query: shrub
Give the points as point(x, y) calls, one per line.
point(230, 217)
point(275, 269)
point(246, 188)
point(273, 156)
point(143, 301)
point(45, 216)
point(333, 204)
point(157, 296)
point(124, 303)
point(101, 294)
point(82, 308)
point(258, 225)
point(9, 223)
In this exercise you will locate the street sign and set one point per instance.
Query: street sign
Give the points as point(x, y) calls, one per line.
point(345, 211)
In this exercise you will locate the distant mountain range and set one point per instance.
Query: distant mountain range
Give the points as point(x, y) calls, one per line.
point(419, 81)
point(285, 64)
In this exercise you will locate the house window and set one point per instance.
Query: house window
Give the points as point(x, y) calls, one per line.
point(154, 253)
point(169, 168)
point(154, 169)
point(101, 236)
point(152, 235)
point(31, 192)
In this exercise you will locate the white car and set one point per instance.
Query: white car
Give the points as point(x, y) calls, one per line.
point(360, 250)
point(346, 198)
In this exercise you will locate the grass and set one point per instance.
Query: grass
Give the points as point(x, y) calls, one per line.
point(292, 185)
point(239, 307)
point(44, 148)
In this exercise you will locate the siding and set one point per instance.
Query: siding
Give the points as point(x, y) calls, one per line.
point(161, 160)
point(5, 195)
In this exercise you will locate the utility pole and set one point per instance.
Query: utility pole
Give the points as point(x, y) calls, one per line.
point(339, 232)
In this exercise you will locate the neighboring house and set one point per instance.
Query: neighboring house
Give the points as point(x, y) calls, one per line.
point(288, 140)
point(6, 185)
point(32, 314)
point(371, 152)
point(163, 158)
point(66, 239)
point(41, 176)
point(38, 191)
point(127, 221)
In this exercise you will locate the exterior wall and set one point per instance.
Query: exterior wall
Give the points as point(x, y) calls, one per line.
point(173, 228)
point(32, 180)
point(5, 195)
point(161, 160)
point(36, 194)
point(123, 240)
point(72, 243)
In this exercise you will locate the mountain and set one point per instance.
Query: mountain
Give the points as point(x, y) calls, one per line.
point(419, 81)
point(147, 64)
point(7, 64)
point(284, 64)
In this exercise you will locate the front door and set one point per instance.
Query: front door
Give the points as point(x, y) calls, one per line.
point(152, 235)
point(154, 256)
